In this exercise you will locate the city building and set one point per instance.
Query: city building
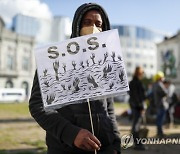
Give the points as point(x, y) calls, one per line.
point(45, 31)
point(169, 58)
point(139, 48)
point(61, 28)
point(25, 25)
point(17, 65)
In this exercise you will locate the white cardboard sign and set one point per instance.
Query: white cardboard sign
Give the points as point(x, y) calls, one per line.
point(85, 67)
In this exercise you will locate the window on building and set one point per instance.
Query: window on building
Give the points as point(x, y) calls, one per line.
point(10, 62)
point(9, 84)
point(129, 55)
point(129, 43)
point(137, 55)
point(152, 46)
point(137, 64)
point(137, 44)
point(121, 30)
point(26, 50)
point(145, 45)
point(129, 74)
point(25, 86)
point(9, 48)
point(151, 57)
point(25, 64)
point(129, 64)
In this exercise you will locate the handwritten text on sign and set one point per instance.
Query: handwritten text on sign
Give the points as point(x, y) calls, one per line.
point(90, 66)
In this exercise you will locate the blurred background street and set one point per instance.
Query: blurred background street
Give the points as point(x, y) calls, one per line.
point(20, 134)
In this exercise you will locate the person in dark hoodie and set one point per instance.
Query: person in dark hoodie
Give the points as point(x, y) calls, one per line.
point(137, 96)
point(68, 129)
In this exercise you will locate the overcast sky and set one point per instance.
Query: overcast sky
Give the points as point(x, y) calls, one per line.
point(163, 15)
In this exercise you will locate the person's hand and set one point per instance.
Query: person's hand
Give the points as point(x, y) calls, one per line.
point(87, 141)
point(115, 152)
point(143, 112)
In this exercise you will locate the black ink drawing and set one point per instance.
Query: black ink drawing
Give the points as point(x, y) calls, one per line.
point(74, 64)
point(111, 85)
point(92, 58)
point(63, 86)
point(106, 70)
point(99, 62)
point(76, 84)
point(46, 83)
point(81, 64)
point(50, 99)
point(88, 79)
point(92, 81)
point(69, 87)
point(56, 67)
point(121, 75)
point(105, 57)
point(113, 56)
point(87, 62)
point(64, 67)
point(119, 57)
point(45, 72)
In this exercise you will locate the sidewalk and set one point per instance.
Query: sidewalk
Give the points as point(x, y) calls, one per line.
point(124, 126)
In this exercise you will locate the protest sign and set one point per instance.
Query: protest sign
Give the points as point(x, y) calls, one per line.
point(87, 67)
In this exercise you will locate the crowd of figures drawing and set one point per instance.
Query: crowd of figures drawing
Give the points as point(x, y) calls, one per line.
point(86, 79)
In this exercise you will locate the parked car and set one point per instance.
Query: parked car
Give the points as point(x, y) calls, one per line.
point(12, 95)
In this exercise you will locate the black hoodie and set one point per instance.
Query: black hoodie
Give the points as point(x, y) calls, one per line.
point(63, 125)
point(81, 11)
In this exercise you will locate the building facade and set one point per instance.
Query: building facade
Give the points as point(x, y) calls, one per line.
point(61, 28)
point(139, 48)
point(169, 58)
point(45, 31)
point(17, 64)
point(25, 25)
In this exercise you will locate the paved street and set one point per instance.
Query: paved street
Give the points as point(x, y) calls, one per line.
point(125, 127)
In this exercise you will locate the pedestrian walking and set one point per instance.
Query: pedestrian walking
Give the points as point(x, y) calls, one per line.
point(137, 97)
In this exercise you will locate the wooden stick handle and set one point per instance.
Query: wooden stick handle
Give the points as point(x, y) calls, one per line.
point(90, 115)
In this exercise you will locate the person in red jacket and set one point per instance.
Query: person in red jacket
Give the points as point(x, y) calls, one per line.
point(68, 129)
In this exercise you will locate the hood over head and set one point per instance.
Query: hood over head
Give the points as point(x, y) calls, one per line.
point(81, 11)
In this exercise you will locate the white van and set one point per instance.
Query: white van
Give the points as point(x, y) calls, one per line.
point(12, 95)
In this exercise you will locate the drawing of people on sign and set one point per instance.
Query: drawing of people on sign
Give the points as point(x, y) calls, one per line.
point(90, 66)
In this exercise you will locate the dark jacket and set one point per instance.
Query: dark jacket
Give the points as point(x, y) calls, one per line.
point(137, 94)
point(159, 92)
point(63, 125)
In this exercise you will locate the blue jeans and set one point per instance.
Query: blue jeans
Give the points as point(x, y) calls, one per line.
point(161, 113)
point(137, 120)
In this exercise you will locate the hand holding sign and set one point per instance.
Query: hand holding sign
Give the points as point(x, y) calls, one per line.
point(87, 141)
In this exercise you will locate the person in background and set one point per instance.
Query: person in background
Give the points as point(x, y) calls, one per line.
point(160, 99)
point(137, 97)
point(172, 101)
point(68, 129)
